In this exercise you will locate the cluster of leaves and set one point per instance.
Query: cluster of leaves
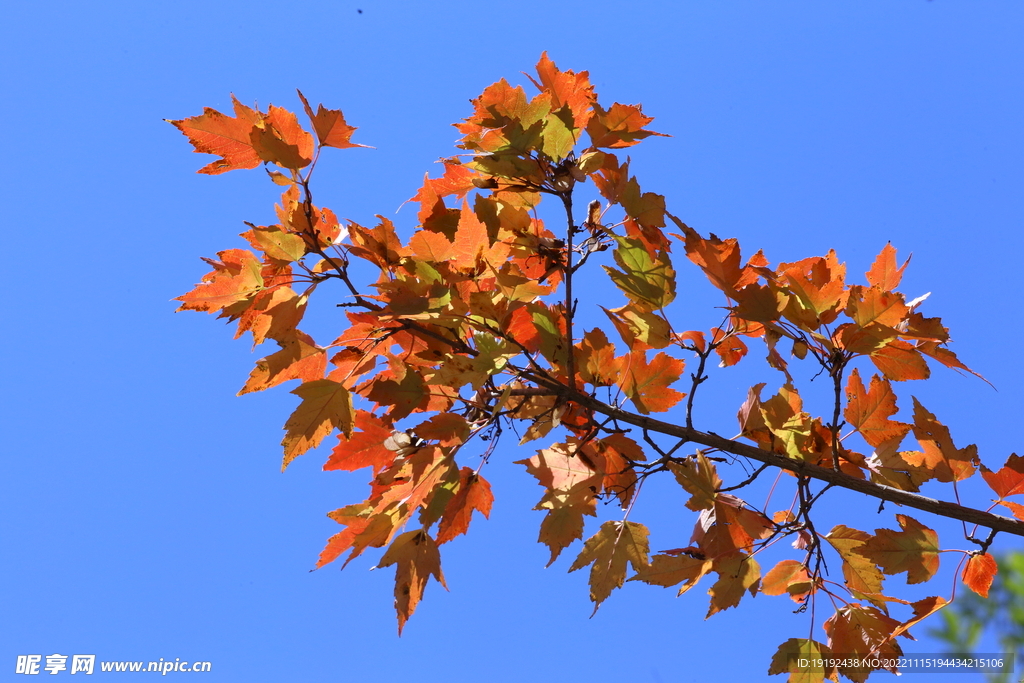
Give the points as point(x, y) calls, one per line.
point(468, 330)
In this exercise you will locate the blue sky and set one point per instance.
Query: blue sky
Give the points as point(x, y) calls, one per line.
point(143, 510)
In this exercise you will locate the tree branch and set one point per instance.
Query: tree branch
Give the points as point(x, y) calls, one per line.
point(840, 479)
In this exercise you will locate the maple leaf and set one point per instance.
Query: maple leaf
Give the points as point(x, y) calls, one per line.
point(1016, 508)
point(871, 306)
point(648, 281)
point(698, 477)
point(326, 405)
point(869, 411)
point(979, 572)
point(567, 88)
point(1009, 480)
point(571, 486)
point(647, 385)
point(788, 576)
point(235, 277)
point(884, 274)
point(640, 329)
point(356, 521)
point(614, 455)
point(858, 631)
point(225, 136)
point(787, 659)
point(719, 259)
point(618, 127)
point(417, 558)
point(431, 246)
point(900, 361)
point(278, 138)
point(276, 243)
point(404, 396)
point(615, 545)
point(299, 358)
point(861, 574)
point(363, 448)
point(457, 180)
point(329, 124)
point(738, 573)
point(922, 608)
point(474, 494)
point(671, 570)
point(914, 550)
point(595, 359)
point(939, 454)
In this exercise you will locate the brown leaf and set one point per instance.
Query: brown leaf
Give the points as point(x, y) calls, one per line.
point(418, 559)
point(615, 545)
point(474, 493)
point(861, 574)
point(325, 406)
point(914, 550)
point(737, 573)
point(671, 570)
point(787, 659)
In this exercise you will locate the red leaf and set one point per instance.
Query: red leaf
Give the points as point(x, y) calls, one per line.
point(869, 411)
point(1009, 480)
point(474, 494)
point(363, 448)
point(979, 572)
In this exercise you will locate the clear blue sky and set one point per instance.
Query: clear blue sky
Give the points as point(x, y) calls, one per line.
point(143, 514)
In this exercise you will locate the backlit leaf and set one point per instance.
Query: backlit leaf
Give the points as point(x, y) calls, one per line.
point(326, 405)
point(417, 558)
point(1009, 480)
point(614, 546)
point(914, 550)
point(979, 572)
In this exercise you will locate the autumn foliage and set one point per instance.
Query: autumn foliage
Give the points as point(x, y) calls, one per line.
point(467, 331)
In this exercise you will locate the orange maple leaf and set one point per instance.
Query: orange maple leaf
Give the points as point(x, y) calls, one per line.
point(615, 545)
point(417, 558)
point(226, 136)
point(869, 411)
point(329, 124)
point(647, 385)
point(1009, 480)
point(914, 550)
point(979, 572)
point(326, 405)
point(235, 277)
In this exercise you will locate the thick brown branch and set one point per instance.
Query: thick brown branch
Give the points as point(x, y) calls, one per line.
point(880, 491)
